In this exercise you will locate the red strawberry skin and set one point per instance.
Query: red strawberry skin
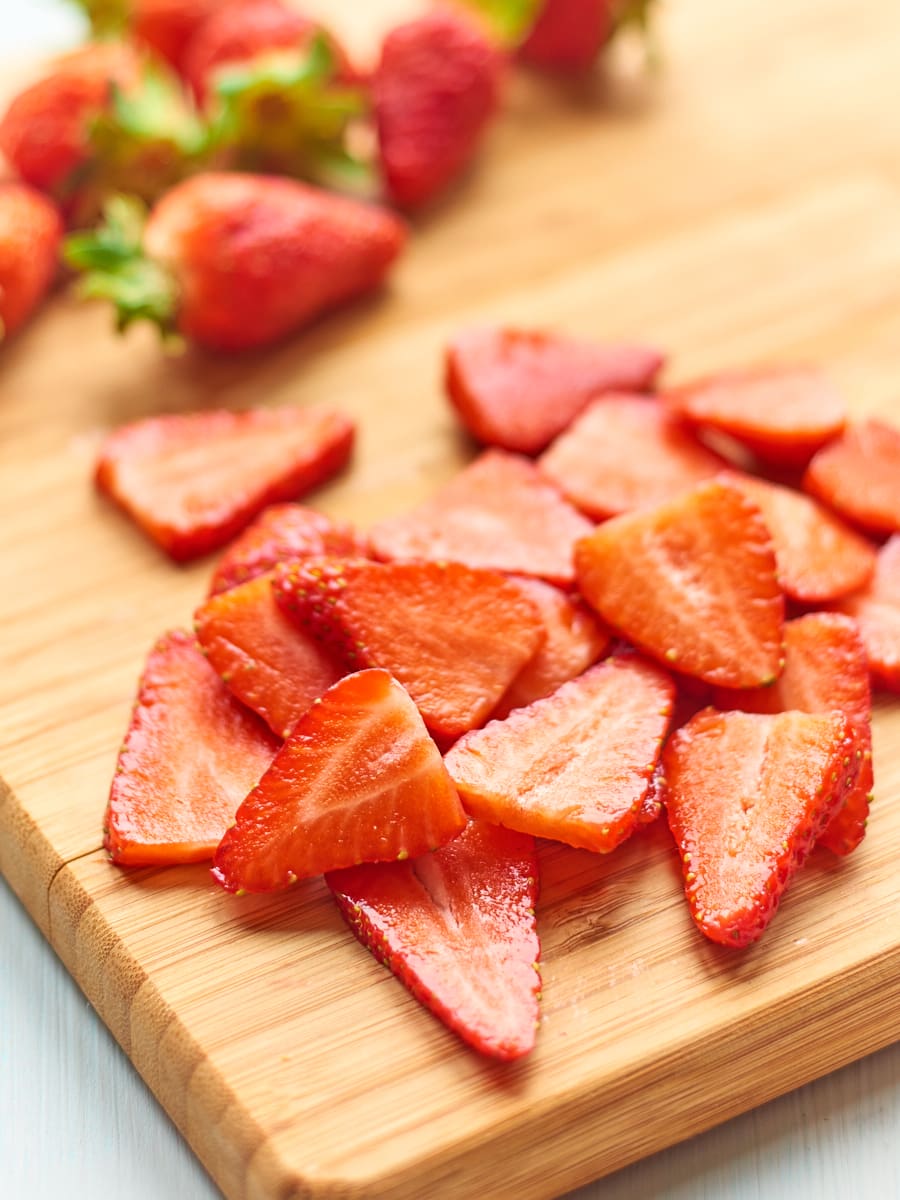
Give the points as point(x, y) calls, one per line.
point(30, 231)
point(256, 257)
point(194, 480)
point(519, 389)
point(358, 780)
point(568, 34)
point(169, 27)
point(190, 755)
point(434, 91)
point(747, 795)
point(284, 533)
point(458, 929)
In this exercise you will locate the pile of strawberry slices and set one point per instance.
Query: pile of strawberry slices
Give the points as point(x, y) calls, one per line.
point(629, 602)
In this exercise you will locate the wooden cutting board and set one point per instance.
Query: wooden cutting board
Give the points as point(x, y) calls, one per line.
point(742, 205)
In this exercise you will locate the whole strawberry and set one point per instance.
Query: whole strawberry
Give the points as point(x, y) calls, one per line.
point(30, 230)
point(434, 91)
point(166, 27)
point(236, 261)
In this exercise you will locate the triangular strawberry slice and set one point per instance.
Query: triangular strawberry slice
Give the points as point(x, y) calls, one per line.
point(500, 512)
point(747, 795)
point(825, 670)
point(458, 928)
point(518, 389)
point(455, 637)
point(781, 414)
point(575, 766)
point(877, 610)
point(189, 757)
point(267, 662)
point(818, 557)
point(859, 476)
point(626, 452)
point(358, 780)
point(192, 481)
point(284, 533)
point(574, 640)
point(692, 582)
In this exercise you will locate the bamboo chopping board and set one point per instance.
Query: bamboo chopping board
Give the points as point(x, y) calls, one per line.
point(743, 206)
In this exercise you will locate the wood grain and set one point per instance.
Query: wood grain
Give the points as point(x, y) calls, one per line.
point(743, 206)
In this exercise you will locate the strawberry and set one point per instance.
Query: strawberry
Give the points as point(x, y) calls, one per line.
point(746, 797)
point(190, 755)
point(625, 452)
point(859, 476)
point(825, 670)
point(358, 780)
point(692, 582)
point(575, 766)
point(237, 261)
point(458, 929)
point(877, 610)
point(164, 26)
point(266, 661)
point(454, 636)
point(782, 414)
point(818, 557)
point(30, 231)
point(102, 120)
point(192, 481)
point(518, 389)
point(569, 35)
point(284, 533)
point(434, 91)
point(498, 513)
point(574, 640)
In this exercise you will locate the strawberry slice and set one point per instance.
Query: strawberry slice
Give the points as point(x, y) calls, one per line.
point(284, 533)
point(192, 481)
point(626, 452)
point(358, 780)
point(859, 476)
point(498, 513)
point(574, 640)
point(455, 637)
point(519, 389)
point(747, 795)
point(190, 755)
point(458, 929)
point(877, 610)
point(825, 670)
point(576, 766)
point(782, 414)
point(692, 582)
point(266, 661)
point(819, 558)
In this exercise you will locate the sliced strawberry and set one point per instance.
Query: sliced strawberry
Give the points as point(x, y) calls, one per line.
point(30, 231)
point(575, 766)
point(574, 640)
point(455, 637)
point(825, 670)
point(747, 795)
point(190, 755)
point(783, 415)
point(359, 780)
point(498, 513)
point(693, 583)
point(284, 533)
point(434, 91)
point(626, 452)
point(519, 389)
point(877, 610)
point(192, 481)
point(819, 558)
point(458, 929)
point(859, 476)
point(267, 662)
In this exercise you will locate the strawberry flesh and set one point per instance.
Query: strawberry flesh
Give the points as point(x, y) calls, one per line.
point(859, 476)
point(458, 928)
point(877, 610)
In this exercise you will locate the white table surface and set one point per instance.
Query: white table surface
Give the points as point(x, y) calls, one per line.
point(76, 1120)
